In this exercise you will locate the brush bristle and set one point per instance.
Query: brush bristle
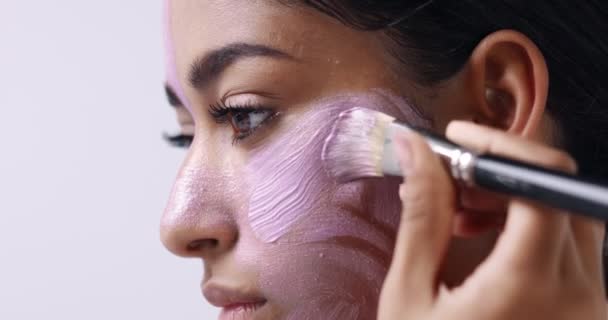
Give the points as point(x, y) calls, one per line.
point(354, 148)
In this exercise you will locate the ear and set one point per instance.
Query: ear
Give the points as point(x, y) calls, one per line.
point(509, 83)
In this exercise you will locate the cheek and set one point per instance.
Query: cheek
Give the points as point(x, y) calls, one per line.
point(297, 209)
point(324, 281)
point(328, 246)
point(332, 264)
point(290, 183)
point(288, 177)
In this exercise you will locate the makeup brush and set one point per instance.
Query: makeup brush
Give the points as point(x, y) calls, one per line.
point(361, 146)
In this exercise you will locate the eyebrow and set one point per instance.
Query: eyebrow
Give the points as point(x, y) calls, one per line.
point(209, 67)
point(173, 99)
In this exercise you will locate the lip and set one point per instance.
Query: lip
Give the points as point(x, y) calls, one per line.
point(240, 311)
point(235, 303)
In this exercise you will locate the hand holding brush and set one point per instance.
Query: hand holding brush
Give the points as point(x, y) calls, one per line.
point(546, 263)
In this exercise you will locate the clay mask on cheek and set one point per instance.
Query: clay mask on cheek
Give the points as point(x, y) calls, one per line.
point(287, 174)
point(333, 242)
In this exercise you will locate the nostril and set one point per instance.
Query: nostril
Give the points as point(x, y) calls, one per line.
point(203, 245)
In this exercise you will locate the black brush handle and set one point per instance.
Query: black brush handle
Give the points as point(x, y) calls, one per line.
point(553, 188)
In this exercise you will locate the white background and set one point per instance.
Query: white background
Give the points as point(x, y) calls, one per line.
point(84, 175)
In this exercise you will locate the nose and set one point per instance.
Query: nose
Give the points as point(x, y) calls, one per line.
point(198, 221)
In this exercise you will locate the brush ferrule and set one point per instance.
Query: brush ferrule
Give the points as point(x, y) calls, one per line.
point(461, 162)
point(462, 165)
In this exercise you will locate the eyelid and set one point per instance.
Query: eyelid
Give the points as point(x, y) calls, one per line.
point(241, 102)
point(249, 99)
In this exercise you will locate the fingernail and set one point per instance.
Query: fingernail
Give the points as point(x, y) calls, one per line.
point(404, 153)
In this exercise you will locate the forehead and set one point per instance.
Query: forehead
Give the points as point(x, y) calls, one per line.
point(220, 19)
point(196, 27)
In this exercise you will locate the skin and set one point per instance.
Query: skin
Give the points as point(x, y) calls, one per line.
point(331, 256)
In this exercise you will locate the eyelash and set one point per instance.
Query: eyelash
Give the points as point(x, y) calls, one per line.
point(222, 114)
point(179, 140)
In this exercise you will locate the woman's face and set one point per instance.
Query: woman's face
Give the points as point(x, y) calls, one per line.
point(259, 85)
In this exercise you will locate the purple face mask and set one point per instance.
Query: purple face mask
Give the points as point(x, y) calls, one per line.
point(287, 176)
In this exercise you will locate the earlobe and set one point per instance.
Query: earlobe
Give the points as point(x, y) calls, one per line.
point(509, 79)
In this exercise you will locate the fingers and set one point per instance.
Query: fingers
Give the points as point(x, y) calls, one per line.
point(588, 236)
point(479, 211)
point(534, 235)
point(488, 140)
point(428, 205)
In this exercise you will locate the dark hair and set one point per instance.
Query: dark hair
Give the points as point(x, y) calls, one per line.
point(435, 39)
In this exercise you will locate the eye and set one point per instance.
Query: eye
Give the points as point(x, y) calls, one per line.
point(244, 120)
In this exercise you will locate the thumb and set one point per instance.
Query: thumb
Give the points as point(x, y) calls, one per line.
point(427, 197)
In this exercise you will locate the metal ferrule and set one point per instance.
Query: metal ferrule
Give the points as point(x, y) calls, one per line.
point(461, 162)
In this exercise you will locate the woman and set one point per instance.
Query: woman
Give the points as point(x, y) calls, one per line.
point(257, 85)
